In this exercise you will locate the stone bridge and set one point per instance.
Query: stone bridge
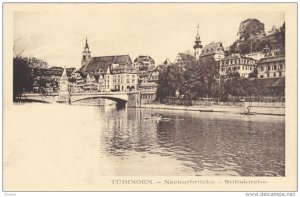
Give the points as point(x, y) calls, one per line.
point(131, 99)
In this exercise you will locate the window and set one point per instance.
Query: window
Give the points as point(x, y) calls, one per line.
point(261, 76)
point(280, 74)
point(274, 74)
point(243, 68)
point(132, 80)
point(280, 66)
point(268, 75)
point(250, 68)
point(262, 68)
point(268, 68)
point(128, 80)
point(275, 67)
point(238, 67)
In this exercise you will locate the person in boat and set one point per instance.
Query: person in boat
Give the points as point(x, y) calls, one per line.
point(248, 109)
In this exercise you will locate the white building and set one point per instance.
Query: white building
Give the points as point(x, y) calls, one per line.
point(239, 64)
point(271, 67)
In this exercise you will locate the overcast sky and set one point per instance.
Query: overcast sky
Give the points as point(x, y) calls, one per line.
point(57, 34)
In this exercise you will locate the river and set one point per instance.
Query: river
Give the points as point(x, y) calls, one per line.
point(58, 140)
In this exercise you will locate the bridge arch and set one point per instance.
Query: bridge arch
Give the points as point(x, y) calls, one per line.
point(121, 102)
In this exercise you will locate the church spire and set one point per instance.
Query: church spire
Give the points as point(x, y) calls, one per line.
point(86, 54)
point(197, 36)
point(197, 47)
point(86, 43)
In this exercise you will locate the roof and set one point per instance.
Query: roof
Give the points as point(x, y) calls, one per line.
point(274, 82)
point(212, 49)
point(54, 71)
point(144, 58)
point(238, 57)
point(185, 57)
point(59, 70)
point(167, 62)
point(70, 71)
point(104, 62)
point(271, 59)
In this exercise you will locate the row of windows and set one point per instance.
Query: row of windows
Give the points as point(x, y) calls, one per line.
point(237, 68)
point(118, 81)
point(238, 61)
point(119, 76)
point(274, 67)
point(274, 75)
point(148, 96)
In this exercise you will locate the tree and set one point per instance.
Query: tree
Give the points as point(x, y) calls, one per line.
point(22, 76)
point(25, 72)
point(170, 79)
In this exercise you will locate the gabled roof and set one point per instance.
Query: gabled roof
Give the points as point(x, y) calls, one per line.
point(185, 57)
point(238, 57)
point(212, 49)
point(167, 62)
point(70, 71)
point(271, 59)
point(144, 58)
point(103, 62)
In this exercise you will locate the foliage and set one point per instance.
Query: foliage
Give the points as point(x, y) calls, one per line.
point(22, 76)
point(25, 72)
point(250, 27)
point(170, 79)
point(196, 80)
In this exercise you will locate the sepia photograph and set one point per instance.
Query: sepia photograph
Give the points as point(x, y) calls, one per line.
point(133, 93)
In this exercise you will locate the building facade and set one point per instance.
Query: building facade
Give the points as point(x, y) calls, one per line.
point(114, 73)
point(211, 54)
point(148, 87)
point(144, 63)
point(237, 64)
point(271, 67)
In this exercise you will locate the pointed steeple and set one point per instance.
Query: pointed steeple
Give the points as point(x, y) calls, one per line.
point(197, 46)
point(86, 43)
point(86, 54)
point(198, 36)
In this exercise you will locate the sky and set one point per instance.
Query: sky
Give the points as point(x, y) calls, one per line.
point(56, 34)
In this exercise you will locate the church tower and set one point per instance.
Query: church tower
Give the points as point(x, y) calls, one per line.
point(86, 54)
point(197, 47)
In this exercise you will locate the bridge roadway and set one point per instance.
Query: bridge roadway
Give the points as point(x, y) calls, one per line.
point(132, 99)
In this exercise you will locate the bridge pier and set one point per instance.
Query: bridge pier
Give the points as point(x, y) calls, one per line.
point(134, 100)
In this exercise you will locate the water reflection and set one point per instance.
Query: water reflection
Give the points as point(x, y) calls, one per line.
point(93, 141)
point(202, 144)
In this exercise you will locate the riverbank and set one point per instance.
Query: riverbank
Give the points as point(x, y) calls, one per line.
point(279, 111)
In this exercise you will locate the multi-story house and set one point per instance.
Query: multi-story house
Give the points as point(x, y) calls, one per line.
point(271, 67)
point(237, 63)
point(211, 54)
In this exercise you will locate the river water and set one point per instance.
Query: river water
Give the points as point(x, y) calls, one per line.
point(58, 140)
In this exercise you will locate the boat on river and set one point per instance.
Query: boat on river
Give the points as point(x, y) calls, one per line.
point(156, 117)
point(248, 113)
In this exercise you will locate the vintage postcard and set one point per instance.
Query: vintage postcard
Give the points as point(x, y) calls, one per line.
point(149, 97)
